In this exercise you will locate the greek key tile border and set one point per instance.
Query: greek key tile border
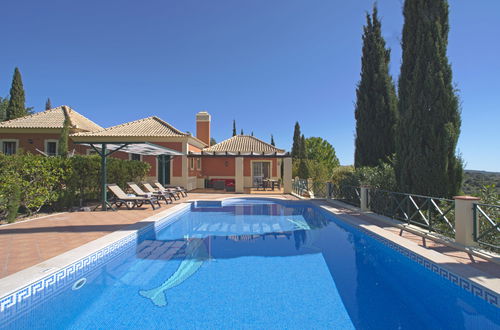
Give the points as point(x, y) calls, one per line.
point(470, 286)
point(17, 303)
point(20, 301)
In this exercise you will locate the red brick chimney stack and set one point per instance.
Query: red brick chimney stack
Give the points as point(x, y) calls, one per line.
point(203, 126)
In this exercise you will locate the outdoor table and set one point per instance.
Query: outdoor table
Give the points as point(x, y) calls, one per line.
point(269, 183)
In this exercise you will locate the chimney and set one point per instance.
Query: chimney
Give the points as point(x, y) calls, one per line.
point(203, 126)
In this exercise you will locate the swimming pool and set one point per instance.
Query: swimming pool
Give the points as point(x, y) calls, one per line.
point(251, 263)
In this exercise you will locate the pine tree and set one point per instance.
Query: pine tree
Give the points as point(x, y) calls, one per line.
point(48, 104)
point(234, 127)
point(272, 140)
point(429, 126)
point(63, 139)
point(376, 105)
point(16, 107)
point(296, 141)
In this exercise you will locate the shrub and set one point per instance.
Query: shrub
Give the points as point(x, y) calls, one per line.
point(380, 177)
point(36, 177)
point(13, 204)
point(32, 181)
point(341, 174)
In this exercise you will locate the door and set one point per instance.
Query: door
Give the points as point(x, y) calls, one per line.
point(260, 171)
point(164, 169)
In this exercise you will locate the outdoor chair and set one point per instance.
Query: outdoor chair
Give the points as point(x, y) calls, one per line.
point(178, 189)
point(167, 193)
point(176, 194)
point(139, 192)
point(259, 183)
point(121, 198)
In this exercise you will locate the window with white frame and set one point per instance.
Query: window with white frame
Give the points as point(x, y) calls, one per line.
point(9, 147)
point(135, 157)
point(51, 147)
point(198, 163)
point(191, 163)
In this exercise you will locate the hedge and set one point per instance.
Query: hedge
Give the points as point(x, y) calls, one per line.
point(29, 182)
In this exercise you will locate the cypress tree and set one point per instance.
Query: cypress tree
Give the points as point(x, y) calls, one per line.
point(302, 147)
point(303, 170)
point(48, 104)
point(296, 141)
point(234, 127)
point(241, 131)
point(4, 103)
point(63, 139)
point(376, 105)
point(16, 107)
point(429, 126)
point(272, 140)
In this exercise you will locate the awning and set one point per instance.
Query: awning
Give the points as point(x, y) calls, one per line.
point(141, 148)
point(104, 149)
point(239, 154)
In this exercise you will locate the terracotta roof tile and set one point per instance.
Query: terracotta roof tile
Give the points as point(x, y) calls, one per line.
point(243, 143)
point(53, 118)
point(151, 126)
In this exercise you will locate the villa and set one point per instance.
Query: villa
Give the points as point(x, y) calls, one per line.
point(236, 164)
point(317, 262)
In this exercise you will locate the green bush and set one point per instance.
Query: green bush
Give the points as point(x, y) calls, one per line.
point(32, 181)
point(342, 175)
point(13, 204)
point(84, 183)
point(379, 177)
point(37, 178)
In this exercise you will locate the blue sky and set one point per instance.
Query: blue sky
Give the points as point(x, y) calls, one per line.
point(265, 63)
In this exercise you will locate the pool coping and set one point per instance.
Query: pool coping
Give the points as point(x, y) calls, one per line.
point(19, 285)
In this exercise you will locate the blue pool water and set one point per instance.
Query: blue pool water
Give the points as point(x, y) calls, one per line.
point(259, 264)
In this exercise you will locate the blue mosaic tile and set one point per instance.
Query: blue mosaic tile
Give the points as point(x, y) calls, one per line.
point(475, 289)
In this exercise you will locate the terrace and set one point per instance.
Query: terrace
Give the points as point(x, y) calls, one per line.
point(35, 248)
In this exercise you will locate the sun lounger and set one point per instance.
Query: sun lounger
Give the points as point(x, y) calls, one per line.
point(139, 192)
point(121, 198)
point(176, 194)
point(181, 190)
point(166, 194)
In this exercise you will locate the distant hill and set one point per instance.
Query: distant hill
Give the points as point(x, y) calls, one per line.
point(474, 180)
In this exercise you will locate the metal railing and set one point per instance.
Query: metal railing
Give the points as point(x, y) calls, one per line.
point(309, 188)
point(487, 225)
point(299, 186)
point(431, 213)
point(319, 189)
point(347, 194)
